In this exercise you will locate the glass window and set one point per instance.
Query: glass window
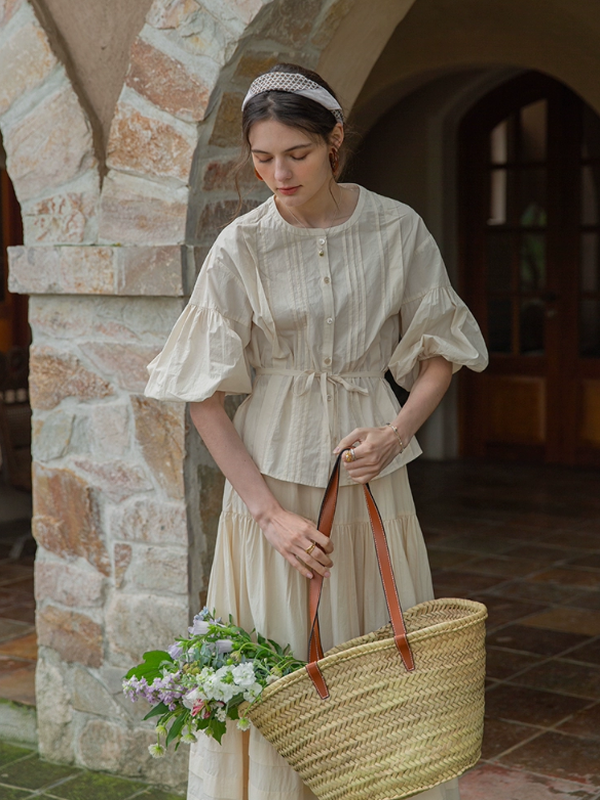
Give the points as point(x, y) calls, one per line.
point(533, 131)
point(499, 266)
point(499, 143)
point(532, 197)
point(589, 194)
point(498, 197)
point(591, 134)
point(532, 269)
point(531, 324)
point(589, 262)
point(499, 325)
point(589, 328)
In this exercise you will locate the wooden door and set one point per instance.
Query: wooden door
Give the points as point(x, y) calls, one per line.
point(530, 241)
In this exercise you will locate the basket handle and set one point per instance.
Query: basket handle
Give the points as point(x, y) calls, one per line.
point(324, 524)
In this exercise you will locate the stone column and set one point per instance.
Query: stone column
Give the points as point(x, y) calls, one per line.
point(110, 514)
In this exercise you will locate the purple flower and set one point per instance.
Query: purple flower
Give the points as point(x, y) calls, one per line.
point(175, 651)
point(199, 627)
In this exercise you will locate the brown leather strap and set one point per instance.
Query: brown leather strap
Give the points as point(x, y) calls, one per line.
point(317, 678)
point(324, 524)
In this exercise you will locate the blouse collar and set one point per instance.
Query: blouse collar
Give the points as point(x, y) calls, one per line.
point(275, 214)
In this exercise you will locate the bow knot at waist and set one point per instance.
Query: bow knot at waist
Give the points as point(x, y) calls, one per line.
point(339, 379)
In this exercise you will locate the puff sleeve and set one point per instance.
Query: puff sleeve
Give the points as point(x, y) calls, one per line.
point(434, 319)
point(206, 351)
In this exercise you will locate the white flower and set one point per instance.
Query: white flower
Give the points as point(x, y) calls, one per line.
point(243, 723)
point(189, 738)
point(243, 675)
point(252, 692)
point(224, 646)
point(215, 685)
point(221, 714)
point(272, 678)
point(156, 750)
point(191, 698)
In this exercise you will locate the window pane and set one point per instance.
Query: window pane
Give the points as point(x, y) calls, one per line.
point(589, 195)
point(533, 132)
point(589, 328)
point(499, 261)
point(531, 334)
point(589, 262)
point(499, 143)
point(532, 270)
point(591, 134)
point(532, 209)
point(499, 325)
point(497, 197)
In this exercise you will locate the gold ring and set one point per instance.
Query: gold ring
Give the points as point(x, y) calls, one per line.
point(311, 548)
point(349, 455)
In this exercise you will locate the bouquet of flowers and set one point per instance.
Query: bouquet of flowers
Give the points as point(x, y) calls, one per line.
point(202, 680)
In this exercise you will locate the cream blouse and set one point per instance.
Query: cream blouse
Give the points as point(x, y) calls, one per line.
point(306, 321)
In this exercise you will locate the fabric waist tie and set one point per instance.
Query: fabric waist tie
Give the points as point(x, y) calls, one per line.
point(337, 379)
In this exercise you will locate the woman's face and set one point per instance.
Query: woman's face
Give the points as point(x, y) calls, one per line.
point(295, 167)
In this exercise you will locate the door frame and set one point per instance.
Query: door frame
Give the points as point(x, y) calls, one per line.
point(563, 373)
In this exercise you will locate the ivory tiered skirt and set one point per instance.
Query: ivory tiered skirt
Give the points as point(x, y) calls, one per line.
point(254, 583)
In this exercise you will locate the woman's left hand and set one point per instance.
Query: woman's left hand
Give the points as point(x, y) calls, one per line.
point(374, 449)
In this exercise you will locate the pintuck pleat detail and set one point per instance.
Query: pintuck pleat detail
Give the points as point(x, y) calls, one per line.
point(254, 583)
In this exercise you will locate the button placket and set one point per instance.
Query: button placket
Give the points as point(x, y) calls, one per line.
point(328, 306)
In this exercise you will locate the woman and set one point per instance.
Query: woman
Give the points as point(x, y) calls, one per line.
point(311, 290)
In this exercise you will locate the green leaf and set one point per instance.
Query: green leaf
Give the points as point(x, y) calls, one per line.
point(153, 659)
point(161, 708)
point(176, 728)
point(157, 656)
point(276, 647)
point(218, 729)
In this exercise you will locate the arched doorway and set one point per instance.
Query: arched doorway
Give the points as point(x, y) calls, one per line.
point(529, 227)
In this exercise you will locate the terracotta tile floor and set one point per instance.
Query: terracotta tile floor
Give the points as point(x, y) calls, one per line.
point(526, 542)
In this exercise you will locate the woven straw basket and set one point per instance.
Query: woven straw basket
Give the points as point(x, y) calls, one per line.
point(389, 714)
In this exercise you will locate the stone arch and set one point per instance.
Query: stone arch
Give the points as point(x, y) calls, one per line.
point(46, 133)
point(421, 49)
point(175, 132)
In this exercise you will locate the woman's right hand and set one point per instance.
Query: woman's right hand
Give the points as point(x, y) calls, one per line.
point(292, 535)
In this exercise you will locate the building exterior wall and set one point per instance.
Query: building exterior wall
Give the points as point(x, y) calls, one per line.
point(119, 208)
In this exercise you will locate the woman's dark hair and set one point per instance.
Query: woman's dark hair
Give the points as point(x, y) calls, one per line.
point(290, 109)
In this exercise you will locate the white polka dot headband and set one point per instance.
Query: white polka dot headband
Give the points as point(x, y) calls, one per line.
point(297, 84)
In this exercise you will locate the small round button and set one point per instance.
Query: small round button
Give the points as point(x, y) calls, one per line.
point(327, 361)
point(321, 241)
point(330, 320)
point(321, 253)
point(327, 279)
